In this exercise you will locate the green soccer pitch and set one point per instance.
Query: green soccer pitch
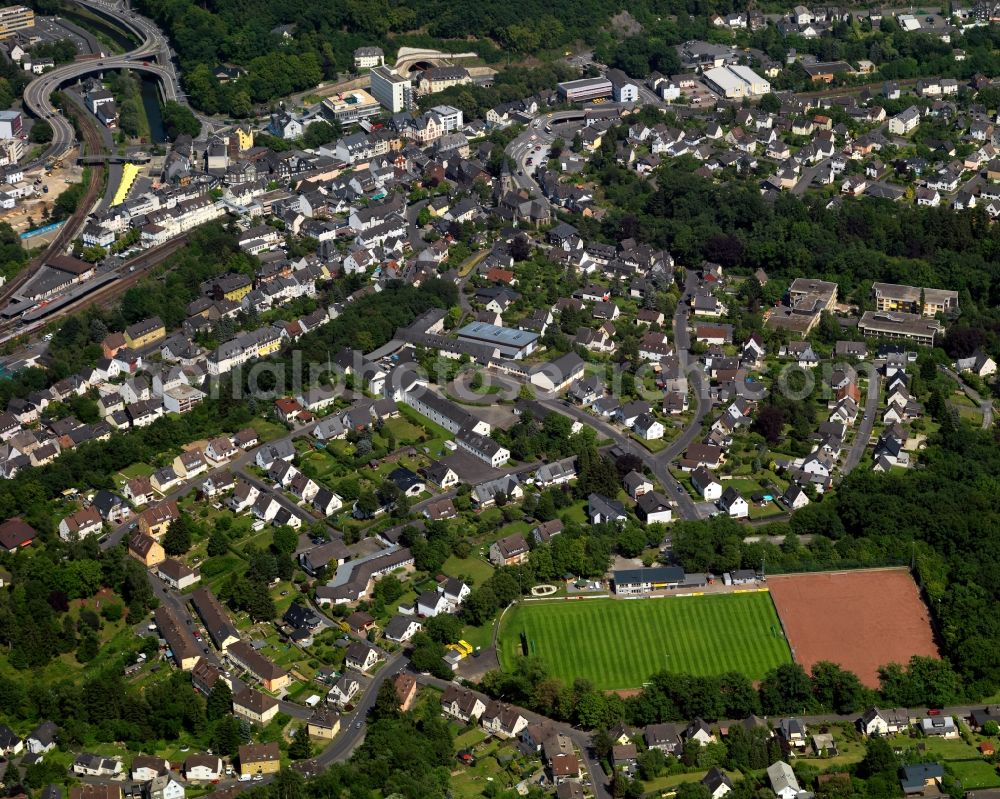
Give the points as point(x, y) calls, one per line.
point(618, 644)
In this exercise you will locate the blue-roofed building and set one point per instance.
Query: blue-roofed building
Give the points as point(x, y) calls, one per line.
point(921, 777)
point(508, 341)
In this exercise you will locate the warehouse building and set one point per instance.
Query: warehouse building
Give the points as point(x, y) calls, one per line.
point(736, 82)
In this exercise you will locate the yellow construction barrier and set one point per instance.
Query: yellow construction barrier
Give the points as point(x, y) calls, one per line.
point(129, 173)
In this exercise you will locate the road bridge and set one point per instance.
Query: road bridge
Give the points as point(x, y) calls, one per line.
point(153, 48)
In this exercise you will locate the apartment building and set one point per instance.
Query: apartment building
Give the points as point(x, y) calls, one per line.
point(391, 89)
point(911, 299)
point(15, 18)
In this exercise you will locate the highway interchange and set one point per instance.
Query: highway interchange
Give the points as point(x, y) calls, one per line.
point(153, 47)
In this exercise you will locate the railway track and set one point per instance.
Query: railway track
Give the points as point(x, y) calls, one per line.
point(129, 273)
point(71, 227)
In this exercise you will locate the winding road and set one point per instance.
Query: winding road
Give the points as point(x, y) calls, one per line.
point(659, 463)
point(153, 47)
point(985, 405)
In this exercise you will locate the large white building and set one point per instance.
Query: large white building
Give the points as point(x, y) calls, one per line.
point(368, 57)
point(585, 89)
point(451, 118)
point(737, 82)
point(391, 89)
point(905, 121)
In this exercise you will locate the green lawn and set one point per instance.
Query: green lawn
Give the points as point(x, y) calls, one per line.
point(268, 429)
point(137, 470)
point(961, 758)
point(975, 774)
point(671, 781)
point(475, 569)
point(653, 445)
point(619, 643)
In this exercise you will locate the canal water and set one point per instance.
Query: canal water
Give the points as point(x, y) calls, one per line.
point(151, 103)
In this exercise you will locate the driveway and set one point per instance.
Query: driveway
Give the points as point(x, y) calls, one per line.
point(985, 405)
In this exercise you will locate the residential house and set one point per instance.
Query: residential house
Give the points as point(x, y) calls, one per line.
point(361, 656)
point(783, 781)
point(90, 765)
point(84, 522)
point(217, 623)
point(146, 768)
point(793, 732)
point(502, 720)
point(461, 703)
point(156, 521)
point(666, 737)
point(653, 508)
point(509, 551)
point(732, 502)
point(323, 723)
point(254, 706)
point(176, 574)
point(876, 721)
point(145, 549)
point(601, 509)
point(546, 530)
point(259, 759)
point(202, 768)
point(939, 727)
point(921, 779)
point(344, 690)
point(706, 484)
point(636, 484)
point(401, 628)
point(717, 783)
point(10, 742)
point(406, 690)
point(43, 738)
point(270, 674)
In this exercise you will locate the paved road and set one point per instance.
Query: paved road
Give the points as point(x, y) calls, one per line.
point(809, 174)
point(237, 465)
point(703, 405)
point(534, 135)
point(864, 431)
point(352, 726)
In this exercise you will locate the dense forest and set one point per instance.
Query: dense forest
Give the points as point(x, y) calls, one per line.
point(324, 37)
